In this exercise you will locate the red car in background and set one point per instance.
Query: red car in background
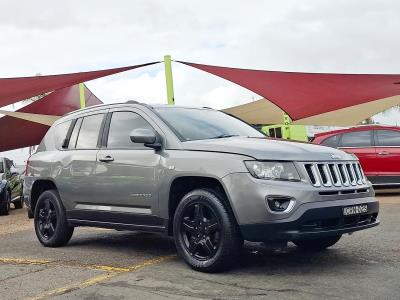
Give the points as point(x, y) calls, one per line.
point(377, 147)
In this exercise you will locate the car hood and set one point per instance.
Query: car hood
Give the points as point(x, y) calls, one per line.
point(269, 149)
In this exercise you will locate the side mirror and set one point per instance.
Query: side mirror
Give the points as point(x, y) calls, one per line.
point(145, 136)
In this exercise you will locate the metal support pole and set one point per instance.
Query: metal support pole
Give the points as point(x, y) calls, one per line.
point(82, 99)
point(168, 79)
point(286, 121)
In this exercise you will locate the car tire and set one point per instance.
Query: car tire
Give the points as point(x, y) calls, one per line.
point(31, 215)
point(317, 244)
point(50, 220)
point(5, 204)
point(20, 203)
point(205, 232)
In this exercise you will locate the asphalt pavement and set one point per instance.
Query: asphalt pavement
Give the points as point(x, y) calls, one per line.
point(109, 264)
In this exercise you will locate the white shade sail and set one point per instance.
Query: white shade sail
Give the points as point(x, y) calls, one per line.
point(37, 118)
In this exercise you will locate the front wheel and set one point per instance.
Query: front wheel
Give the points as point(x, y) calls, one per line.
point(318, 244)
point(205, 233)
point(51, 225)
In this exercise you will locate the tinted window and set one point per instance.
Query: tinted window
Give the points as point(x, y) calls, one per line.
point(61, 132)
point(199, 124)
point(1, 167)
point(331, 141)
point(121, 126)
point(356, 139)
point(388, 138)
point(74, 134)
point(89, 132)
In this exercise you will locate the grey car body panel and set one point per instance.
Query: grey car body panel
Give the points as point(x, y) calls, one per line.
point(137, 182)
point(268, 149)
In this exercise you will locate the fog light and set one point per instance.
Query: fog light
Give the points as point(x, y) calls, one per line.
point(279, 203)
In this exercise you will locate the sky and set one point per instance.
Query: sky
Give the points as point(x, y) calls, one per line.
point(341, 36)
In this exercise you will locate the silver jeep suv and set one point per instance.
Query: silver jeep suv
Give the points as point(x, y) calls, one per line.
point(204, 177)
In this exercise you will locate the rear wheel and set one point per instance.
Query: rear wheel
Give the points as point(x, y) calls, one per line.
point(205, 233)
point(51, 225)
point(5, 203)
point(318, 244)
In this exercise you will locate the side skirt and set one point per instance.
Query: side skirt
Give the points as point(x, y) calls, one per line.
point(119, 226)
point(117, 220)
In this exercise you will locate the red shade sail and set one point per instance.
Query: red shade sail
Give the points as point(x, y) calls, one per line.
point(303, 95)
point(13, 90)
point(17, 133)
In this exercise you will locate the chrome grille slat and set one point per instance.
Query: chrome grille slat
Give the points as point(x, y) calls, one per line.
point(352, 175)
point(346, 179)
point(357, 171)
point(316, 175)
point(335, 174)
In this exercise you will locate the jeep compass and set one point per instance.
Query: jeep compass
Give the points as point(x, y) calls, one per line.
point(204, 177)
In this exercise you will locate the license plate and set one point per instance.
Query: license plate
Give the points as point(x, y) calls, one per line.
point(355, 210)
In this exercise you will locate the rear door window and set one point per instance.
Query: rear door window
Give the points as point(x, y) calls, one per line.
point(74, 134)
point(332, 141)
point(388, 138)
point(89, 132)
point(357, 139)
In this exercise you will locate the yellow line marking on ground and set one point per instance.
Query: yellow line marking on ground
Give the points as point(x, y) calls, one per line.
point(111, 272)
point(24, 261)
point(107, 268)
point(28, 261)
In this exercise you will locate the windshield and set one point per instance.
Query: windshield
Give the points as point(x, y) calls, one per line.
point(192, 124)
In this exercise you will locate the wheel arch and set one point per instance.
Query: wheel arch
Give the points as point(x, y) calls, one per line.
point(38, 187)
point(182, 185)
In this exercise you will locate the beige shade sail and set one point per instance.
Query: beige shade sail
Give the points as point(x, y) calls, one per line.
point(37, 118)
point(257, 112)
point(265, 112)
point(352, 115)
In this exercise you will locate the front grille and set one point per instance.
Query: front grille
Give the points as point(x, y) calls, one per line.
point(339, 174)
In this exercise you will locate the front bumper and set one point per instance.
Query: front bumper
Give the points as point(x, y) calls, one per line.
point(317, 211)
point(314, 220)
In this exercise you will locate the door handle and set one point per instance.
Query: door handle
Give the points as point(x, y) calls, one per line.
point(107, 158)
point(383, 153)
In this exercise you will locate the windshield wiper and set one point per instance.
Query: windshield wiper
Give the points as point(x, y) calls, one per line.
point(222, 136)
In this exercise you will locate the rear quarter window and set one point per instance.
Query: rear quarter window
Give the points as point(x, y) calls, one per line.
point(60, 133)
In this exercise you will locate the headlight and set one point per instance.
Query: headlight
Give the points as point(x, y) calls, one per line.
point(274, 170)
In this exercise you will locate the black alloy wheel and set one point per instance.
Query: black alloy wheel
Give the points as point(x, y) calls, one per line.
point(205, 231)
point(51, 225)
point(200, 230)
point(47, 219)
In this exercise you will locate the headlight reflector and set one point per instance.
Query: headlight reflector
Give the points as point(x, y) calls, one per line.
point(274, 170)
